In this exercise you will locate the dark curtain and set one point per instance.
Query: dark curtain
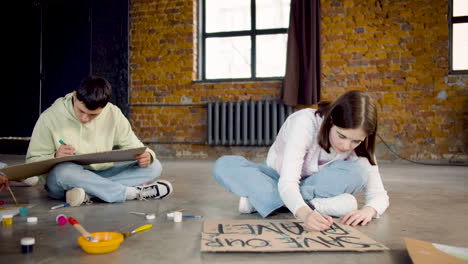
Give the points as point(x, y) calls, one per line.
point(301, 83)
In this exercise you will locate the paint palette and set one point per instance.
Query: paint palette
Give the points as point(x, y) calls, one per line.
point(108, 242)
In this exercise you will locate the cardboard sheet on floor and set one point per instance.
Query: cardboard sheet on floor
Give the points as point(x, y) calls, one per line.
point(281, 236)
point(422, 252)
point(23, 171)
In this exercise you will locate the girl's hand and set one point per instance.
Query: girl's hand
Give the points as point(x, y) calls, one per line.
point(144, 159)
point(312, 220)
point(363, 216)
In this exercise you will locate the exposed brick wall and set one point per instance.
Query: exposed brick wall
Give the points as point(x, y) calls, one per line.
point(395, 50)
point(398, 52)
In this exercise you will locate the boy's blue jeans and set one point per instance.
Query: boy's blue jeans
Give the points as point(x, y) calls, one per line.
point(259, 182)
point(108, 185)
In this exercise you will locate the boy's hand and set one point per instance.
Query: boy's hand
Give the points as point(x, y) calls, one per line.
point(64, 150)
point(363, 216)
point(144, 159)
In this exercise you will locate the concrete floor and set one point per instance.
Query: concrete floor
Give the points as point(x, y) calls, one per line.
point(426, 203)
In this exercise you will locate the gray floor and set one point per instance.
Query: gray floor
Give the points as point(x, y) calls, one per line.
point(426, 203)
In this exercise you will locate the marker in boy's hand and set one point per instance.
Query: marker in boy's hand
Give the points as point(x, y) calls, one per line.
point(64, 150)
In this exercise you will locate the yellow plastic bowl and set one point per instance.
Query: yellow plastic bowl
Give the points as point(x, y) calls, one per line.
point(108, 242)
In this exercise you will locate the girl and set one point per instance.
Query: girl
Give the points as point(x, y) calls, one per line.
point(319, 160)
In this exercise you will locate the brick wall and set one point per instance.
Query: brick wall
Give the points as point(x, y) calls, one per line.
point(395, 50)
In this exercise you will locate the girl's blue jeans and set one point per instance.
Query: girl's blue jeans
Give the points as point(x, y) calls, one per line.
point(259, 183)
point(108, 185)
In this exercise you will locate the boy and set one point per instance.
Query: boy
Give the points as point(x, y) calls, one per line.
point(84, 121)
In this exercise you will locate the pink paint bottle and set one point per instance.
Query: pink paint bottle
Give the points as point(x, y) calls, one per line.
point(61, 219)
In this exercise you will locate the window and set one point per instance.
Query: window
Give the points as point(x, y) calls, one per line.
point(243, 39)
point(458, 28)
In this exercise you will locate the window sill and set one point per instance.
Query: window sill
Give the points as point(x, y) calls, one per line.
point(276, 79)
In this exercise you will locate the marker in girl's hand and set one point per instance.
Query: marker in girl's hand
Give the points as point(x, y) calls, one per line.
point(315, 209)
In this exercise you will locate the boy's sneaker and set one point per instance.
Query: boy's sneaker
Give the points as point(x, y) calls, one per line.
point(337, 206)
point(155, 190)
point(31, 181)
point(245, 207)
point(77, 196)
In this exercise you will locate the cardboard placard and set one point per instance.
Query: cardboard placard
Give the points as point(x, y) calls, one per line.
point(23, 171)
point(422, 252)
point(286, 235)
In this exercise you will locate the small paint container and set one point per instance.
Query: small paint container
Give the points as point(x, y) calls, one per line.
point(61, 219)
point(31, 220)
point(7, 220)
point(177, 217)
point(2, 202)
point(27, 244)
point(150, 216)
point(23, 211)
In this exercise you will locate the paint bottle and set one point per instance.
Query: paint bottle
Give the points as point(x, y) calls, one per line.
point(2, 202)
point(150, 216)
point(7, 220)
point(61, 219)
point(31, 220)
point(177, 217)
point(23, 211)
point(27, 244)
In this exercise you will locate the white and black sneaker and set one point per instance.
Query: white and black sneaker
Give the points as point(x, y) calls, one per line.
point(77, 196)
point(29, 182)
point(155, 190)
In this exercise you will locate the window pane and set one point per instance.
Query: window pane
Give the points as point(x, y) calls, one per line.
point(460, 47)
point(227, 15)
point(228, 57)
point(272, 14)
point(460, 8)
point(271, 55)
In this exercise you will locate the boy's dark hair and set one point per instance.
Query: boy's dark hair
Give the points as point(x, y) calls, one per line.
point(94, 92)
point(353, 109)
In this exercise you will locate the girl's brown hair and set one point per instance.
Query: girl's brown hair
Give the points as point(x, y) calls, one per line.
point(352, 110)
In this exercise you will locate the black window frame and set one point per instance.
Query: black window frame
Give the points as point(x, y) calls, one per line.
point(454, 20)
point(253, 32)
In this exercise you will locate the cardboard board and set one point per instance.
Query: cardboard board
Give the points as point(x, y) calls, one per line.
point(422, 252)
point(281, 236)
point(23, 171)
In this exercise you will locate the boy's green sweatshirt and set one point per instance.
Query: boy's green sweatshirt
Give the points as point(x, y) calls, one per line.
point(110, 128)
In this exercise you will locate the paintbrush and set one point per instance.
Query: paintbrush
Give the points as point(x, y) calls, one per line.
point(12, 195)
point(81, 229)
point(139, 229)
